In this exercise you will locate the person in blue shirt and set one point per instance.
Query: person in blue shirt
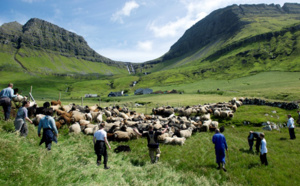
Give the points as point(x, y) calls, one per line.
point(50, 132)
point(5, 100)
point(22, 116)
point(220, 146)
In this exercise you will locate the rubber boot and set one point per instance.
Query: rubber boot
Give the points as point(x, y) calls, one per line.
point(106, 167)
point(223, 166)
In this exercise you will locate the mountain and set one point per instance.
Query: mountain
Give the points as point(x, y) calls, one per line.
point(46, 43)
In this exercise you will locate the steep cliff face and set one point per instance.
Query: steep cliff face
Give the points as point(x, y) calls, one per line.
point(41, 35)
point(223, 24)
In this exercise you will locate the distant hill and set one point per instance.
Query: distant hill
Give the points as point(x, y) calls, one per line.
point(232, 42)
point(39, 43)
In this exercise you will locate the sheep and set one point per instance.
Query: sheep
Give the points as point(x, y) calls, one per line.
point(66, 108)
point(224, 114)
point(122, 136)
point(94, 115)
point(178, 141)
point(64, 119)
point(75, 128)
point(123, 115)
point(107, 113)
point(78, 116)
point(217, 113)
point(205, 117)
point(37, 119)
point(54, 103)
point(99, 118)
point(55, 107)
point(19, 99)
point(94, 107)
point(168, 140)
point(84, 122)
point(186, 133)
point(205, 125)
point(88, 131)
point(88, 116)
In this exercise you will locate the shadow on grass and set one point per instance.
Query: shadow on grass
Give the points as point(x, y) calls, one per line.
point(137, 163)
point(247, 151)
point(253, 165)
point(283, 138)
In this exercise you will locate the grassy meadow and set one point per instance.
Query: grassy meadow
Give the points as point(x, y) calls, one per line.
point(72, 161)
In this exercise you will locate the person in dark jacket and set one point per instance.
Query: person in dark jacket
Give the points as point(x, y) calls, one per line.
point(50, 132)
point(251, 138)
point(153, 145)
point(220, 146)
point(100, 139)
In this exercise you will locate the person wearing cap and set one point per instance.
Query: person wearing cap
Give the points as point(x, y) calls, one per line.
point(5, 100)
point(291, 126)
point(220, 146)
point(153, 145)
point(99, 140)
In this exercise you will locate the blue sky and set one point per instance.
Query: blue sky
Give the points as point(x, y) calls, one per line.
point(122, 30)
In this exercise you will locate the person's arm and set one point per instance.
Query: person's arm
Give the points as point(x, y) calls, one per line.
point(94, 140)
point(137, 132)
point(105, 139)
point(28, 120)
point(165, 129)
point(12, 93)
point(52, 122)
point(226, 147)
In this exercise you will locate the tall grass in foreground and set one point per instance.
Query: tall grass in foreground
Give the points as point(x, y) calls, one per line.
point(72, 161)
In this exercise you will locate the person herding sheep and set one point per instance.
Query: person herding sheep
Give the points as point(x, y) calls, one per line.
point(5, 100)
point(100, 138)
point(50, 132)
point(22, 115)
point(254, 136)
point(291, 126)
point(220, 145)
point(153, 144)
point(263, 150)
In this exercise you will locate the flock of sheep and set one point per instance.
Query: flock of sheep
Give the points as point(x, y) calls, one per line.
point(120, 122)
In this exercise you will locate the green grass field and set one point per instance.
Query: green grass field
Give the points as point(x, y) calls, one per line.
point(72, 161)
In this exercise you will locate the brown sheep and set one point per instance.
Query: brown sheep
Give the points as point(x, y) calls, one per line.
point(58, 102)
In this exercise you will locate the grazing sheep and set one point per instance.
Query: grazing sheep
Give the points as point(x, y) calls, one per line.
point(123, 115)
point(168, 140)
point(89, 131)
point(217, 113)
point(99, 118)
point(78, 115)
point(205, 117)
point(84, 122)
point(37, 119)
point(178, 141)
point(122, 136)
point(75, 128)
point(186, 133)
point(54, 103)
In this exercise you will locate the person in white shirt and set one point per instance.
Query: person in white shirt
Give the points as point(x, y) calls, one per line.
point(291, 126)
point(263, 150)
point(100, 139)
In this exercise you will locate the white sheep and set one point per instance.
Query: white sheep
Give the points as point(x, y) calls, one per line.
point(75, 128)
point(178, 141)
point(186, 133)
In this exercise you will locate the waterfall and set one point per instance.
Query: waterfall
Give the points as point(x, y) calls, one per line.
point(132, 69)
point(128, 69)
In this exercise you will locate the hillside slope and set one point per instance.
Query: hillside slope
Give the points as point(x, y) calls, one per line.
point(223, 28)
point(42, 47)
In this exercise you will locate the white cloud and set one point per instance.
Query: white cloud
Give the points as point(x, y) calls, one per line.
point(145, 45)
point(130, 55)
point(195, 11)
point(125, 11)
